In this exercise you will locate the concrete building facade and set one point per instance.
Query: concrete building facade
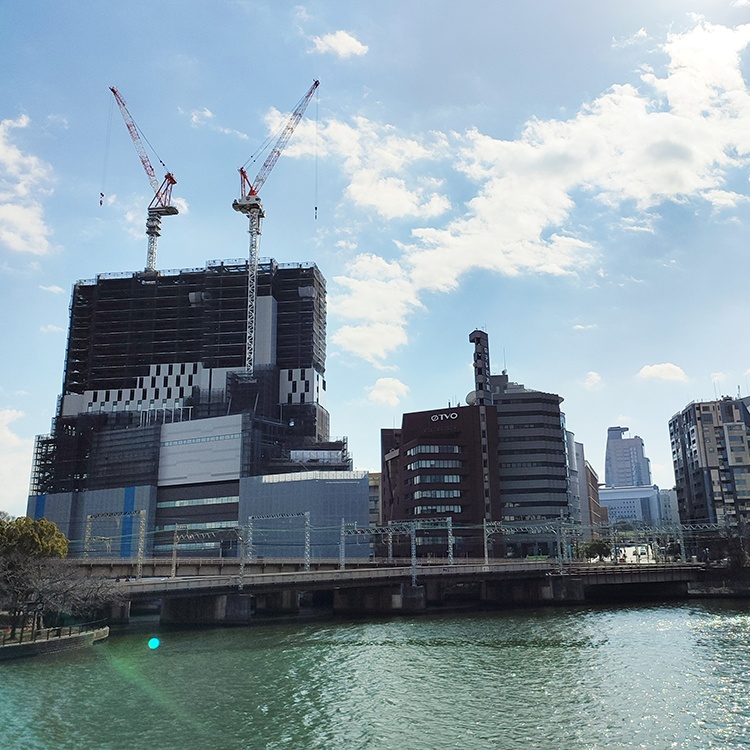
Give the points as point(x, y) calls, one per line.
point(711, 455)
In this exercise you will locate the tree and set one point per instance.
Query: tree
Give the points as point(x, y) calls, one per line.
point(37, 580)
point(597, 548)
point(30, 538)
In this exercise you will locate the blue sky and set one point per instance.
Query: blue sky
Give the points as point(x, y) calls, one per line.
point(570, 176)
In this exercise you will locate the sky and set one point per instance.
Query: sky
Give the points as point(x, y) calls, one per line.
point(571, 177)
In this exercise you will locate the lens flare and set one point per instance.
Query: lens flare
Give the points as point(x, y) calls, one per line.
point(154, 643)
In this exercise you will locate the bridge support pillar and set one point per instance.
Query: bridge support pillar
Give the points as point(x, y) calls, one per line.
point(552, 589)
point(277, 602)
point(563, 589)
point(119, 614)
point(218, 609)
point(392, 599)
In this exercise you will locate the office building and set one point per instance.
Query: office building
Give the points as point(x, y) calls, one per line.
point(641, 505)
point(502, 458)
point(711, 456)
point(161, 426)
point(625, 463)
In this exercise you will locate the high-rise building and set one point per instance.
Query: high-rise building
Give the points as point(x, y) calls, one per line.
point(160, 422)
point(500, 458)
point(625, 463)
point(711, 456)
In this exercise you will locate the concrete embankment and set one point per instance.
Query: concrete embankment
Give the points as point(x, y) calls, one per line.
point(52, 643)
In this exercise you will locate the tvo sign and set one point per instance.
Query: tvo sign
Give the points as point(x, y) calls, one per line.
point(444, 417)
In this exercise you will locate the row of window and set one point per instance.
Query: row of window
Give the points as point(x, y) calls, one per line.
point(436, 494)
point(197, 501)
point(434, 479)
point(170, 369)
point(208, 439)
point(197, 526)
point(420, 510)
point(435, 463)
point(417, 449)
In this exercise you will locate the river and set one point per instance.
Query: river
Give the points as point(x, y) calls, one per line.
point(594, 678)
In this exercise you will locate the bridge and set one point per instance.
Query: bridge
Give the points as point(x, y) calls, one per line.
point(228, 591)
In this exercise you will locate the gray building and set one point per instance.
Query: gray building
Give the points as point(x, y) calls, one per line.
point(625, 463)
point(711, 456)
point(638, 504)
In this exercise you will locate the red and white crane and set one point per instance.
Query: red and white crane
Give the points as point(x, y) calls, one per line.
point(249, 204)
point(161, 205)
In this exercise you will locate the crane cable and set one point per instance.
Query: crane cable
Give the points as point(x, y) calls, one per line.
point(317, 109)
point(106, 152)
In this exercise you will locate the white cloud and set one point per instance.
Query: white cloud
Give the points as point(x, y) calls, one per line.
point(52, 289)
point(51, 329)
point(339, 43)
point(389, 391)
point(15, 465)
point(23, 178)
point(592, 380)
point(386, 172)
point(589, 327)
point(639, 37)
point(631, 149)
point(666, 371)
point(204, 117)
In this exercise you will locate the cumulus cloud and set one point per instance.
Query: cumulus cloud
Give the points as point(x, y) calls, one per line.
point(339, 43)
point(592, 380)
point(388, 391)
point(15, 465)
point(52, 289)
point(633, 148)
point(23, 179)
point(665, 371)
point(52, 329)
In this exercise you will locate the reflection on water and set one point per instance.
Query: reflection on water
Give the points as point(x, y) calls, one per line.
point(672, 676)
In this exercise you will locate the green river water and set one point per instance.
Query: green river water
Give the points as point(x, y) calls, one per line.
point(653, 676)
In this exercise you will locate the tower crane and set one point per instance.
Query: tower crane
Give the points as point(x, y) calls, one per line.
point(161, 205)
point(249, 204)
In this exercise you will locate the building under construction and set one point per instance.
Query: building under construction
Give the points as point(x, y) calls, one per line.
point(161, 425)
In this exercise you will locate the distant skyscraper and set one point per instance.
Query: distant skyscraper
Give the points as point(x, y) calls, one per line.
point(625, 463)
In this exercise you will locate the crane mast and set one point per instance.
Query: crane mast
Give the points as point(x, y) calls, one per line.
point(249, 203)
point(161, 204)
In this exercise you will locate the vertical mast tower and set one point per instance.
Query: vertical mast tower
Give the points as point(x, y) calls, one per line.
point(249, 203)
